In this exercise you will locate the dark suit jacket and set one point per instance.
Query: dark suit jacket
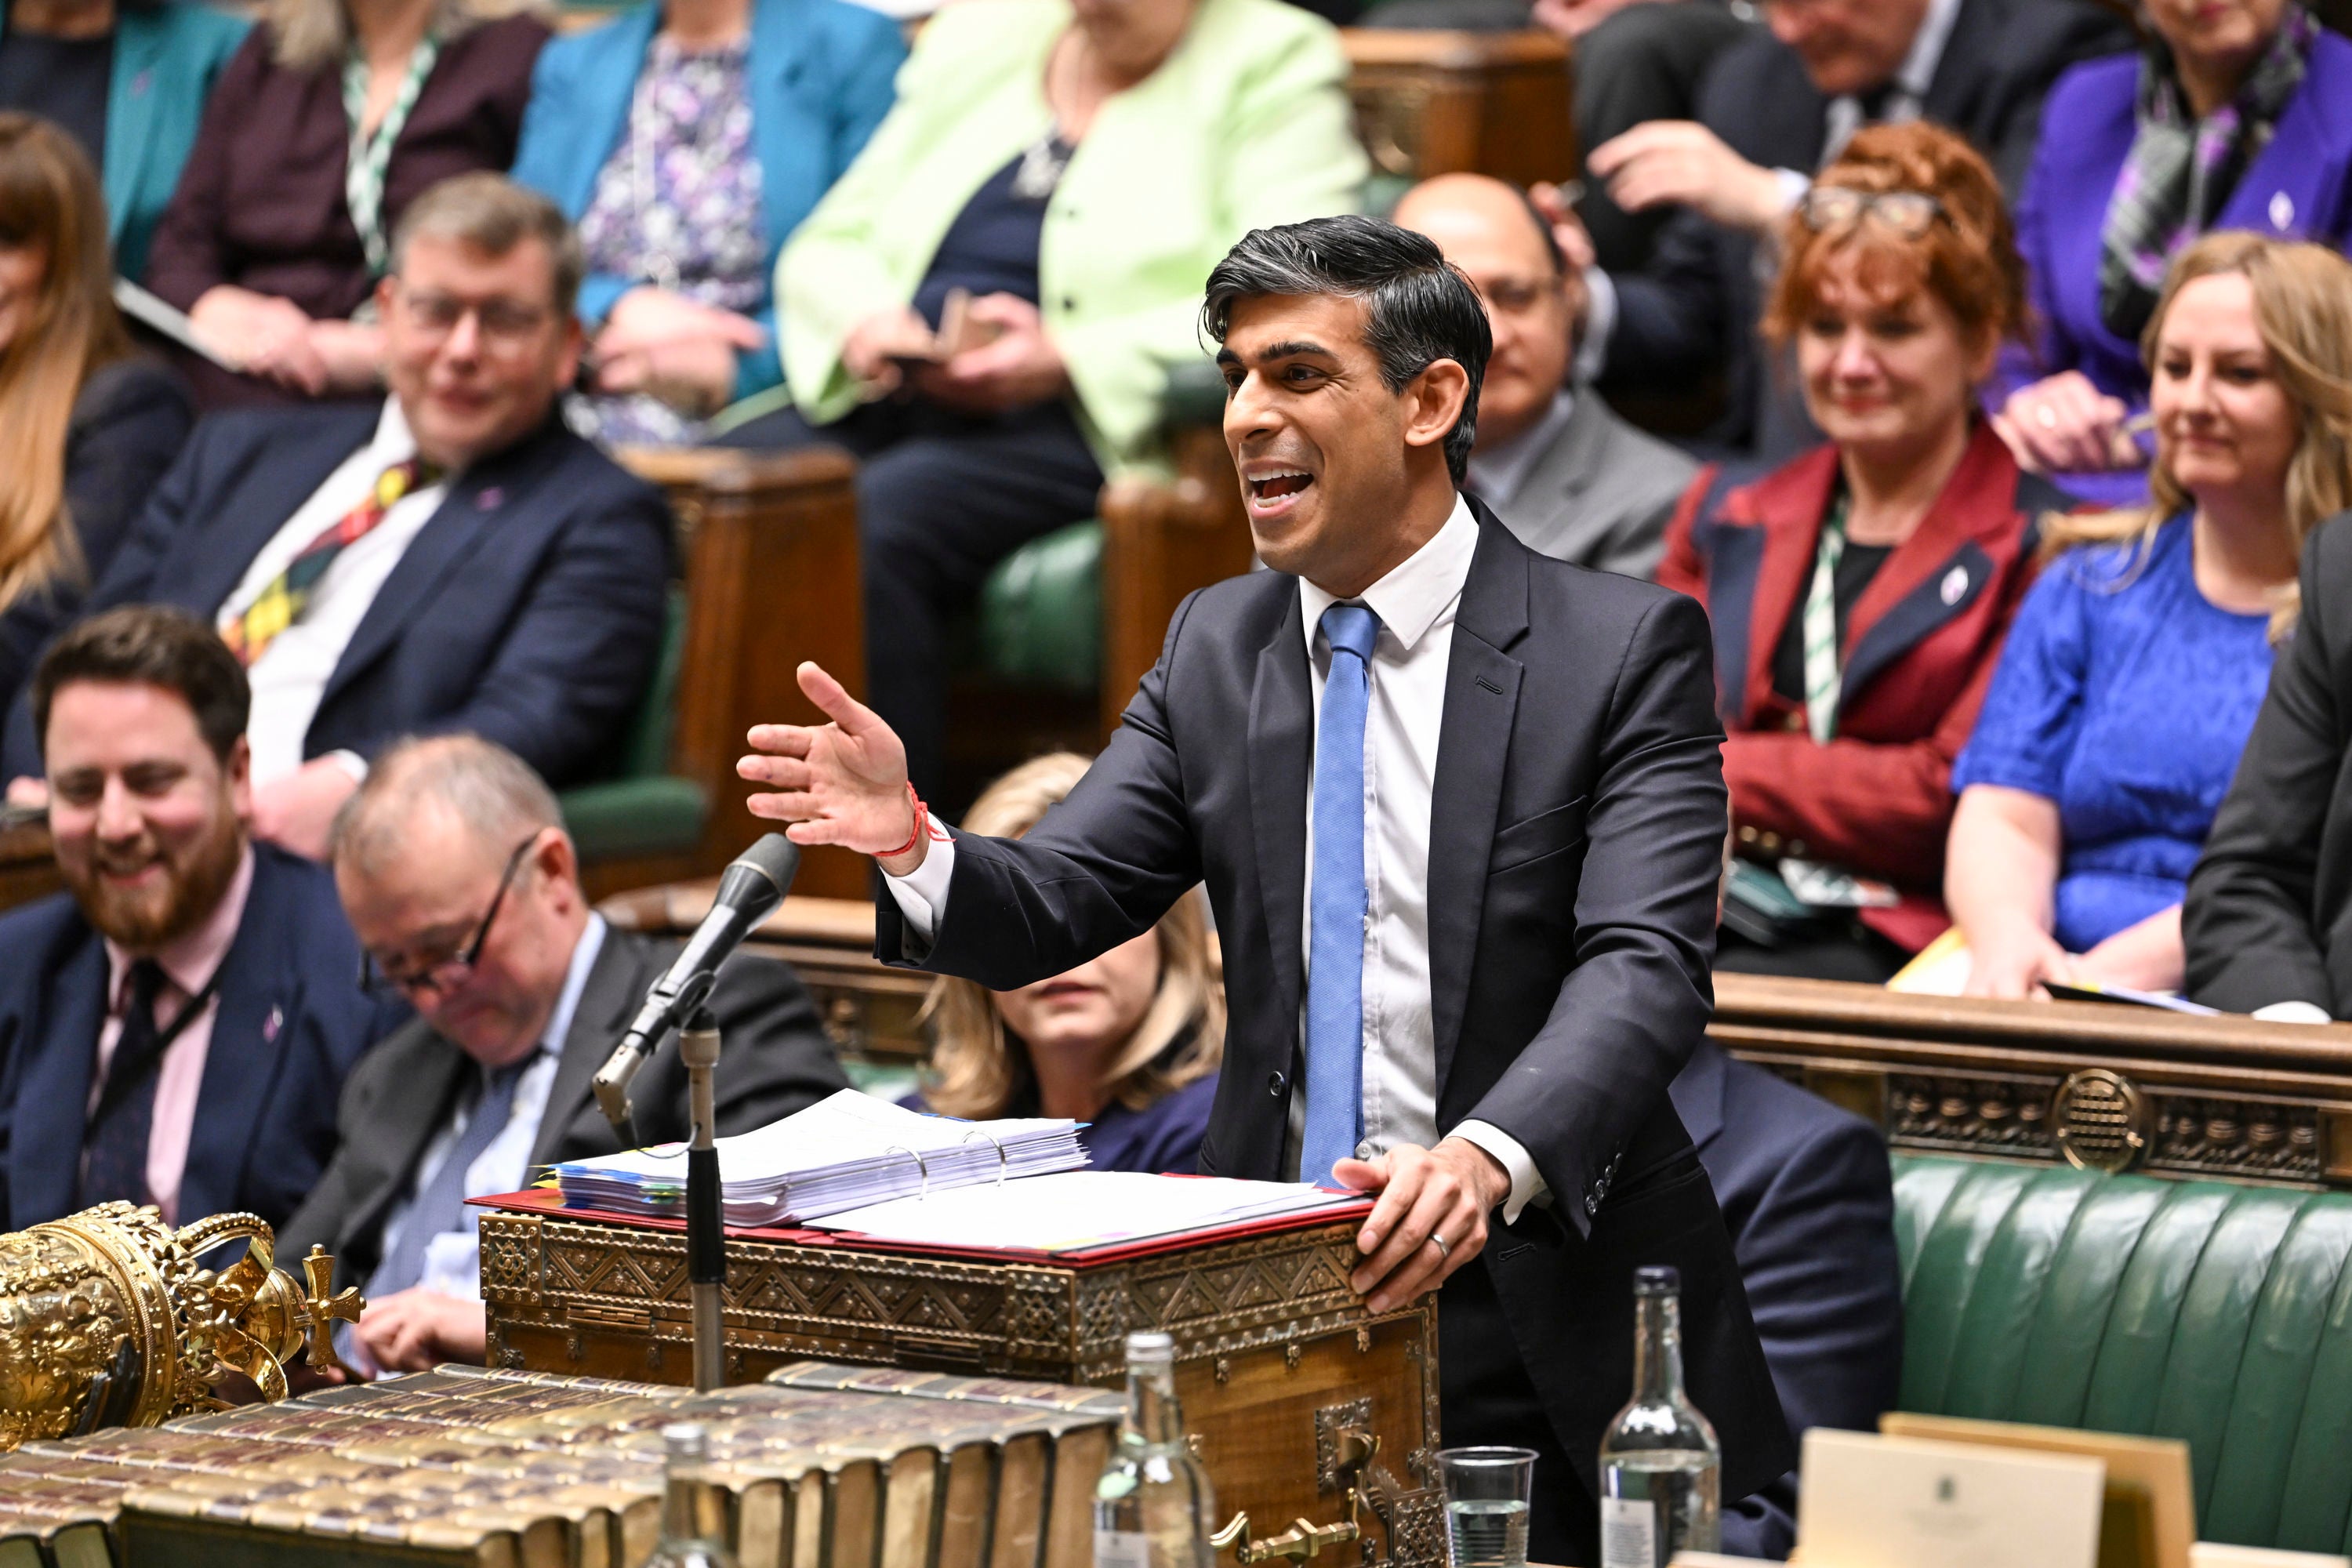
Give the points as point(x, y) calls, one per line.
point(1577, 823)
point(292, 1020)
point(527, 610)
point(1695, 306)
point(1808, 1194)
point(128, 422)
point(2268, 913)
point(1921, 647)
point(775, 1060)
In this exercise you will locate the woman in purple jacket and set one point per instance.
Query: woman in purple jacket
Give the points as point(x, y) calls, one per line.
point(2238, 115)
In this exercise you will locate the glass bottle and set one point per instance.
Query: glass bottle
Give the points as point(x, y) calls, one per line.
point(694, 1511)
point(1153, 1508)
point(1661, 1467)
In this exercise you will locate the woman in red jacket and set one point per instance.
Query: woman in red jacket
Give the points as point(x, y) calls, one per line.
point(1860, 593)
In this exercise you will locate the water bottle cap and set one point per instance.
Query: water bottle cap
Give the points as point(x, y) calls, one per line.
point(1656, 1279)
point(1150, 1346)
point(685, 1440)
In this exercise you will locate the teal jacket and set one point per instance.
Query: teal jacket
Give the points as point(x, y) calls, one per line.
point(820, 82)
point(1246, 123)
point(165, 57)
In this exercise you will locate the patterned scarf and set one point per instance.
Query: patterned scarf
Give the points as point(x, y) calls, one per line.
point(2180, 170)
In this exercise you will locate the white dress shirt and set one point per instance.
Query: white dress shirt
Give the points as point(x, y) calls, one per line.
point(1416, 603)
point(292, 675)
point(453, 1259)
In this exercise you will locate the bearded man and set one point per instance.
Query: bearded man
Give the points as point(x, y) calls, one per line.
point(175, 1027)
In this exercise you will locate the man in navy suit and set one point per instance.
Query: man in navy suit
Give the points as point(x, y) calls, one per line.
point(1809, 1199)
point(175, 1027)
point(452, 558)
point(1459, 808)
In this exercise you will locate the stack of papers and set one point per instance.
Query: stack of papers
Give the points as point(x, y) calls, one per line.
point(844, 1152)
point(1081, 1209)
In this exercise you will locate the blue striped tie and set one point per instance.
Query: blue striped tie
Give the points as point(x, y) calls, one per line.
point(1334, 953)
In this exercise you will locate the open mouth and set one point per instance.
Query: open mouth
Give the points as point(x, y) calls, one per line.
point(1274, 486)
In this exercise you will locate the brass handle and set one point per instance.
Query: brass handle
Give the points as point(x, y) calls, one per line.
point(1303, 1541)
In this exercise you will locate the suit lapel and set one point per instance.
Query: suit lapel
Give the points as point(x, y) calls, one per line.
point(777, 64)
point(619, 59)
point(214, 553)
point(1282, 712)
point(1935, 576)
point(617, 982)
point(1473, 744)
point(429, 1071)
point(1789, 504)
point(259, 1001)
point(477, 501)
point(44, 1148)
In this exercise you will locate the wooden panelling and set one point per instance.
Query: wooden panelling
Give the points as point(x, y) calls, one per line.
point(1436, 102)
point(1159, 543)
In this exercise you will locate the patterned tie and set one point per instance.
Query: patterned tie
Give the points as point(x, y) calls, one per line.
point(1824, 677)
point(1335, 953)
point(281, 603)
point(439, 1207)
point(114, 1145)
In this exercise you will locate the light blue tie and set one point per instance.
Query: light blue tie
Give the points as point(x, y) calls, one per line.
point(440, 1204)
point(1335, 952)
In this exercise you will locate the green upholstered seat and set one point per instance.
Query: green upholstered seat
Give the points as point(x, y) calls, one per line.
point(643, 808)
point(2214, 1312)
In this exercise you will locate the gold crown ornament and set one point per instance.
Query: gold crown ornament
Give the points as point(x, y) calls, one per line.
point(108, 1320)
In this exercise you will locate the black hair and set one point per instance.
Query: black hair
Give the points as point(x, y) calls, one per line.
point(1418, 308)
point(150, 645)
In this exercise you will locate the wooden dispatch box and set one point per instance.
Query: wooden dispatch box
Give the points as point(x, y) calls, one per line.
point(1282, 1369)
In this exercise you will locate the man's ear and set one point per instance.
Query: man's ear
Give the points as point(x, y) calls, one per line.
point(559, 863)
point(238, 769)
point(1433, 401)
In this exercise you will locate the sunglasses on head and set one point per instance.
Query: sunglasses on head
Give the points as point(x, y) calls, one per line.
point(1910, 213)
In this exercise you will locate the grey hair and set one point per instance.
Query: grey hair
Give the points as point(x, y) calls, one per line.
point(494, 215)
point(307, 34)
point(493, 792)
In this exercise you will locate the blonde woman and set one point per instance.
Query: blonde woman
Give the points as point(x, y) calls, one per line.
point(2136, 664)
point(332, 118)
point(1128, 1043)
point(86, 426)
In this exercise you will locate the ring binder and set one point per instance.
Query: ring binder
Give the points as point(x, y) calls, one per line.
point(998, 1143)
point(922, 1168)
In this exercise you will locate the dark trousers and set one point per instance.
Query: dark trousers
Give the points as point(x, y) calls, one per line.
point(941, 498)
point(1485, 1398)
point(1643, 63)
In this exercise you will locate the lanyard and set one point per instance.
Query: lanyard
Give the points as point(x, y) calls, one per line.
point(371, 156)
point(1823, 674)
point(123, 1077)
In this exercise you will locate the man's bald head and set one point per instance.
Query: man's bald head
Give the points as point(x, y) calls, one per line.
point(1495, 235)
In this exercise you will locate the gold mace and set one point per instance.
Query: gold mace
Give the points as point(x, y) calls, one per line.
point(107, 1319)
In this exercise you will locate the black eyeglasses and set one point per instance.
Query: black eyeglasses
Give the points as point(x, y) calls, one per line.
point(1910, 213)
point(446, 974)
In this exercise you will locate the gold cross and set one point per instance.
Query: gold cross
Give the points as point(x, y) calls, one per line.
point(325, 1308)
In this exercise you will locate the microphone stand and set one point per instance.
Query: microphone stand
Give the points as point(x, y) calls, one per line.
point(705, 1234)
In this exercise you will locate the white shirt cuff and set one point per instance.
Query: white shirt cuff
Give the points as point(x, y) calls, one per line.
point(922, 893)
point(1794, 186)
point(2294, 1013)
point(1526, 1184)
point(351, 762)
point(1600, 321)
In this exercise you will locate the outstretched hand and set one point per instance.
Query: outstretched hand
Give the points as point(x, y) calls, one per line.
point(844, 782)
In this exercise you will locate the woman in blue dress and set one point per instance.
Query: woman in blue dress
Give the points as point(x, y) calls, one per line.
point(2137, 663)
point(1128, 1043)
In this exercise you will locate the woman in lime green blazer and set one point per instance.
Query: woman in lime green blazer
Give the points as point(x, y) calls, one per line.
point(1074, 168)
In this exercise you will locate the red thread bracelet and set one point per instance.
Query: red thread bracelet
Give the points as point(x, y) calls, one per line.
point(922, 821)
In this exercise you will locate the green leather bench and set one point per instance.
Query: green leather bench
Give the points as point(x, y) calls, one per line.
point(2206, 1311)
point(641, 807)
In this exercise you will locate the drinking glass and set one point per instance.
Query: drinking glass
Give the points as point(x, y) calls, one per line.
point(1487, 1493)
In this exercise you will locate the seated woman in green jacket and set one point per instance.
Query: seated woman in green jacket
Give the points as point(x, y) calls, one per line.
point(1072, 169)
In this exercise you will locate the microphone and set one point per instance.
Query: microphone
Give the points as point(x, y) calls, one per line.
point(750, 890)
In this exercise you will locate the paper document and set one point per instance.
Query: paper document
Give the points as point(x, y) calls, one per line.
point(159, 314)
point(845, 1152)
point(1081, 1208)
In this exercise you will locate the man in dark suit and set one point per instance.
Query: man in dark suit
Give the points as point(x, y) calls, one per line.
point(2268, 919)
point(1500, 954)
point(457, 876)
point(1774, 107)
point(1809, 1199)
point(174, 1027)
point(452, 558)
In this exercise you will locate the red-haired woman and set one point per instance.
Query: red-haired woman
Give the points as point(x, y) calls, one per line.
point(1860, 593)
point(87, 427)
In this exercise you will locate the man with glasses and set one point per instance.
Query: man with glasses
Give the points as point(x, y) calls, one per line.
point(451, 558)
point(459, 879)
point(1559, 468)
point(176, 1026)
